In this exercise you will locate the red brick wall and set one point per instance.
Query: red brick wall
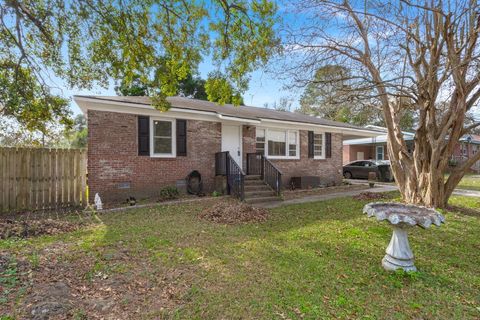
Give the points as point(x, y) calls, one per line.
point(329, 170)
point(113, 157)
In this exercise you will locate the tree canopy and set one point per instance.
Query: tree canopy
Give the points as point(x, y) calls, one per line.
point(87, 43)
point(413, 57)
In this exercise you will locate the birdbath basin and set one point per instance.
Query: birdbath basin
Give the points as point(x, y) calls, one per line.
point(401, 217)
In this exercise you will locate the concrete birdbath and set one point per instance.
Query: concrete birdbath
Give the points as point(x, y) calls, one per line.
point(401, 217)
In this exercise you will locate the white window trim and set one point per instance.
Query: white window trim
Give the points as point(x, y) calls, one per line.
point(174, 138)
point(376, 152)
point(323, 156)
point(286, 156)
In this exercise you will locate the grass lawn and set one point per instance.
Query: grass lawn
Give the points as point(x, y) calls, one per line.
point(312, 261)
point(470, 182)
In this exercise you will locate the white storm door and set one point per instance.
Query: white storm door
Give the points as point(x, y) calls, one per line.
point(231, 141)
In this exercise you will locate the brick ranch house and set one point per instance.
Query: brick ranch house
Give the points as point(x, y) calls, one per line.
point(135, 150)
point(375, 148)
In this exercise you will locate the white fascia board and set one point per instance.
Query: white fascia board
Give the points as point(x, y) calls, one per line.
point(86, 104)
point(313, 127)
point(237, 119)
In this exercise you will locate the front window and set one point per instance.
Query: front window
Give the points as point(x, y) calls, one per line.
point(318, 147)
point(277, 143)
point(163, 138)
point(380, 154)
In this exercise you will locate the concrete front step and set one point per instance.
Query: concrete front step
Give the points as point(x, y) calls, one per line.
point(253, 177)
point(261, 199)
point(258, 193)
point(254, 183)
point(259, 187)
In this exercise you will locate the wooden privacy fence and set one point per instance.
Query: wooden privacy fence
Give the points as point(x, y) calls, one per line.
point(40, 178)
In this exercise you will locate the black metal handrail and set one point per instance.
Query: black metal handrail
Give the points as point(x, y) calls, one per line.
point(258, 164)
point(272, 176)
point(226, 165)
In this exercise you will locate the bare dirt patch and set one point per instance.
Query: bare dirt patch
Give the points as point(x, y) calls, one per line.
point(32, 228)
point(95, 286)
point(371, 196)
point(230, 212)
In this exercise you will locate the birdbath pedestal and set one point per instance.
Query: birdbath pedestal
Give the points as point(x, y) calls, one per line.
point(401, 217)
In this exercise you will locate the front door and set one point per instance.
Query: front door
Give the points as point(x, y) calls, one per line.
point(231, 141)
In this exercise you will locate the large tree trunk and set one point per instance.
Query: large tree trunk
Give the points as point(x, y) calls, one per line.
point(421, 176)
point(425, 188)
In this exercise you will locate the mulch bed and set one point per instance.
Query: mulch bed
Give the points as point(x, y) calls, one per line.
point(32, 228)
point(371, 196)
point(230, 212)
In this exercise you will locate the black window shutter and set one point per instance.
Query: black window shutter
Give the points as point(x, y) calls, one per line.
point(143, 135)
point(310, 144)
point(181, 138)
point(328, 144)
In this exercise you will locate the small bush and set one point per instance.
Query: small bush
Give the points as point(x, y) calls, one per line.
point(216, 194)
point(169, 193)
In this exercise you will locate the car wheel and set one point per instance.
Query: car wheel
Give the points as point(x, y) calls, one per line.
point(347, 175)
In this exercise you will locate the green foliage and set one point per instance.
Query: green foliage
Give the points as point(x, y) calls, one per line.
point(133, 88)
point(77, 137)
point(31, 104)
point(220, 89)
point(169, 193)
point(9, 280)
point(216, 194)
point(87, 43)
point(193, 87)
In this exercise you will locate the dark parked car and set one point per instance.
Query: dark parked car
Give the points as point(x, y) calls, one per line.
point(360, 169)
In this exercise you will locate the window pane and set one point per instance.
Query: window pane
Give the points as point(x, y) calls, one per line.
point(276, 148)
point(278, 136)
point(292, 137)
point(277, 143)
point(292, 150)
point(162, 145)
point(261, 133)
point(318, 145)
point(162, 128)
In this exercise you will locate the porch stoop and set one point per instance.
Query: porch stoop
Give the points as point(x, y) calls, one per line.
point(257, 191)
